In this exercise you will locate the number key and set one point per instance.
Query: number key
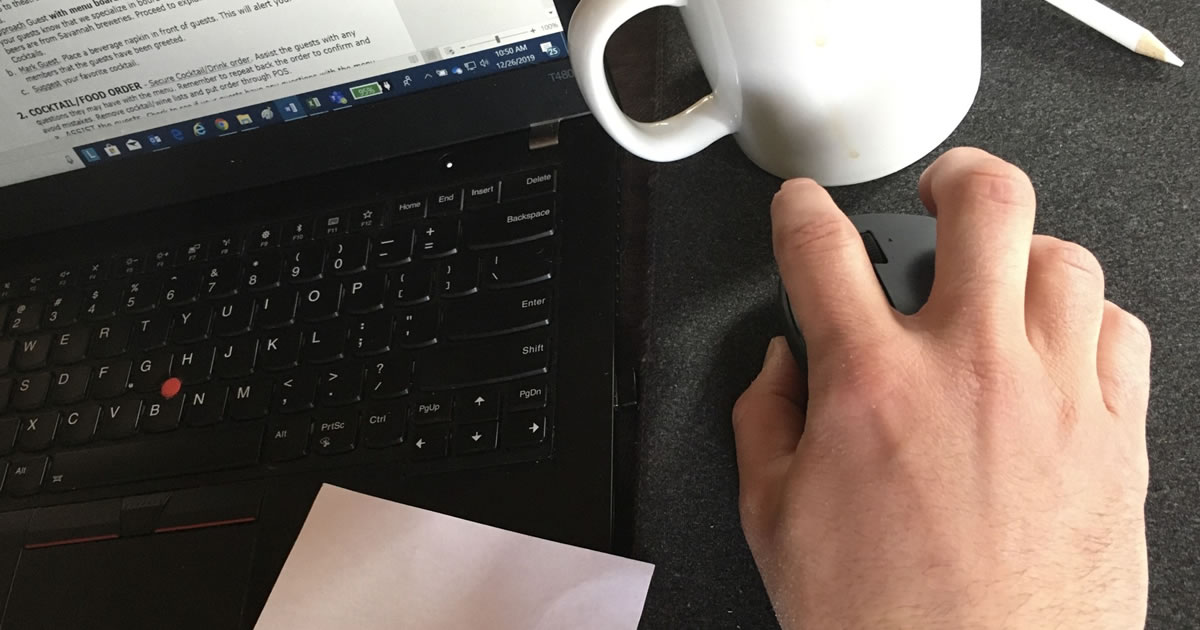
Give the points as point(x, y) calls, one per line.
point(140, 295)
point(100, 303)
point(220, 279)
point(181, 288)
point(262, 272)
point(349, 254)
point(306, 263)
point(61, 311)
point(25, 316)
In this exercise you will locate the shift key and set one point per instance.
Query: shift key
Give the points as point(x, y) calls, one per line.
point(492, 361)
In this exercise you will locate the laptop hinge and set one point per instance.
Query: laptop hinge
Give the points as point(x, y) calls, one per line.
point(543, 135)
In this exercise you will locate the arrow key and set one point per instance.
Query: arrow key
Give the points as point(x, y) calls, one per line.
point(430, 442)
point(476, 438)
point(525, 429)
point(473, 405)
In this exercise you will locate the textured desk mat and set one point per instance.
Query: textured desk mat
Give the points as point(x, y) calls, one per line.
point(1112, 142)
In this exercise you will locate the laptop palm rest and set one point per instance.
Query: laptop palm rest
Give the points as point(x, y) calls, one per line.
point(183, 580)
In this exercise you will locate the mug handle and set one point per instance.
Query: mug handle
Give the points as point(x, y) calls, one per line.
point(678, 137)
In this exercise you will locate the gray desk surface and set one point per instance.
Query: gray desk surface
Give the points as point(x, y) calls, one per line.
point(1112, 142)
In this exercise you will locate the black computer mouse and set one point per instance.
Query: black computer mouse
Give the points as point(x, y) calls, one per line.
point(902, 248)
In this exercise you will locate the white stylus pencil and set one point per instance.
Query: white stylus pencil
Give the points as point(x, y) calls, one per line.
point(1119, 28)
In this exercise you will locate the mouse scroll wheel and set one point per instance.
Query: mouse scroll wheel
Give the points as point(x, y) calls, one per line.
point(873, 249)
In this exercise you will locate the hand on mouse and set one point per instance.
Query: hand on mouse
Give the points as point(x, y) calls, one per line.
point(981, 464)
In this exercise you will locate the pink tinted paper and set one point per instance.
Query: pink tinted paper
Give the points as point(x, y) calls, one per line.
point(365, 563)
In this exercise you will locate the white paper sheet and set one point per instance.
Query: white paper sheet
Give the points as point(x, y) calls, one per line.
point(365, 563)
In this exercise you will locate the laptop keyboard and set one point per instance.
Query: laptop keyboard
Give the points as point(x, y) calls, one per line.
point(420, 329)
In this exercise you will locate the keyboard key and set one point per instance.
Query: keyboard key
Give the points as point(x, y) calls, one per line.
point(69, 347)
point(410, 208)
point(430, 442)
point(306, 263)
point(7, 348)
point(481, 195)
point(25, 476)
point(475, 405)
point(220, 279)
point(498, 313)
point(120, 419)
point(348, 254)
point(203, 406)
point(70, 385)
point(334, 434)
point(250, 401)
point(263, 270)
point(62, 310)
point(458, 276)
point(437, 238)
point(365, 218)
point(510, 224)
point(8, 289)
point(161, 259)
point(235, 359)
point(287, 439)
point(110, 340)
point(417, 328)
point(78, 425)
point(181, 288)
point(524, 429)
point(8, 434)
point(190, 324)
point(428, 408)
point(371, 335)
point(264, 237)
point(100, 303)
point(224, 246)
point(32, 353)
point(194, 365)
point(320, 302)
point(95, 271)
point(150, 332)
point(277, 310)
point(37, 432)
point(131, 265)
point(161, 415)
point(341, 385)
point(389, 376)
point(410, 285)
point(25, 316)
point(365, 293)
point(194, 251)
point(526, 395)
point(299, 230)
point(324, 343)
point(519, 266)
point(141, 295)
point(383, 425)
point(393, 247)
point(36, 284)
point(64, 278)
point(297, 391)
point(476, 438)
point(446, 202)
point(279, 351)
point(3, 315)
point(6, 386)
point(110, 380)
point(529, 184)
point(150, 371)
point(502, 359)
point(29, 392)
point(166, 456)
point(233, 317)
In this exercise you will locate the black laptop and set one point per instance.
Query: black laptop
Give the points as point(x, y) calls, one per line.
point(248, 250)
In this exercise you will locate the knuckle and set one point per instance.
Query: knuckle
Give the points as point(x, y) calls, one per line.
point(1074, 258)
point(817, 235)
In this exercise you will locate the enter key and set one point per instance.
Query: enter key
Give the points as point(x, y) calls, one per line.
point(498, 313)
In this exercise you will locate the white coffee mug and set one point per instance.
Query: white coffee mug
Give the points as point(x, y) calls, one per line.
point(842, 91)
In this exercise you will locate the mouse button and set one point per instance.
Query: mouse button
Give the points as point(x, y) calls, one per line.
point(873, 248)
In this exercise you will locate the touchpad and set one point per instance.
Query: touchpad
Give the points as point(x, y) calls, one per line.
point(193, 579)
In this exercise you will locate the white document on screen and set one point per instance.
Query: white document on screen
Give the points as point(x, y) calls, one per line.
point(364, 563)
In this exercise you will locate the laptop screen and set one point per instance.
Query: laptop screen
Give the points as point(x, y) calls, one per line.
point(94, 84)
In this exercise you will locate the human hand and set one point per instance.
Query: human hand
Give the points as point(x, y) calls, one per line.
point(981, 464)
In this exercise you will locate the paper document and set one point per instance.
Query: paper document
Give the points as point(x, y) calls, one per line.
point(366, 563)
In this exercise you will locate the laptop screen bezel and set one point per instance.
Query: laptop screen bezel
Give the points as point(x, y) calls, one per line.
point(428, 120)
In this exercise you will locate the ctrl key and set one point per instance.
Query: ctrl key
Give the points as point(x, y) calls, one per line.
point(333, 435)
point(25, 476)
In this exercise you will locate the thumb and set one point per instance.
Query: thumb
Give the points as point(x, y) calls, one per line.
point(768, 421)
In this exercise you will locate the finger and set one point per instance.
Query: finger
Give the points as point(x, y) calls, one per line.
point(825, 266)
point(985, 209)
point(768, 421)
point(1064, 302)
point(1123, 364)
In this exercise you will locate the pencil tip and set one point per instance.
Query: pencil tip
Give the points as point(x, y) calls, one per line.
point(1172, 58)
